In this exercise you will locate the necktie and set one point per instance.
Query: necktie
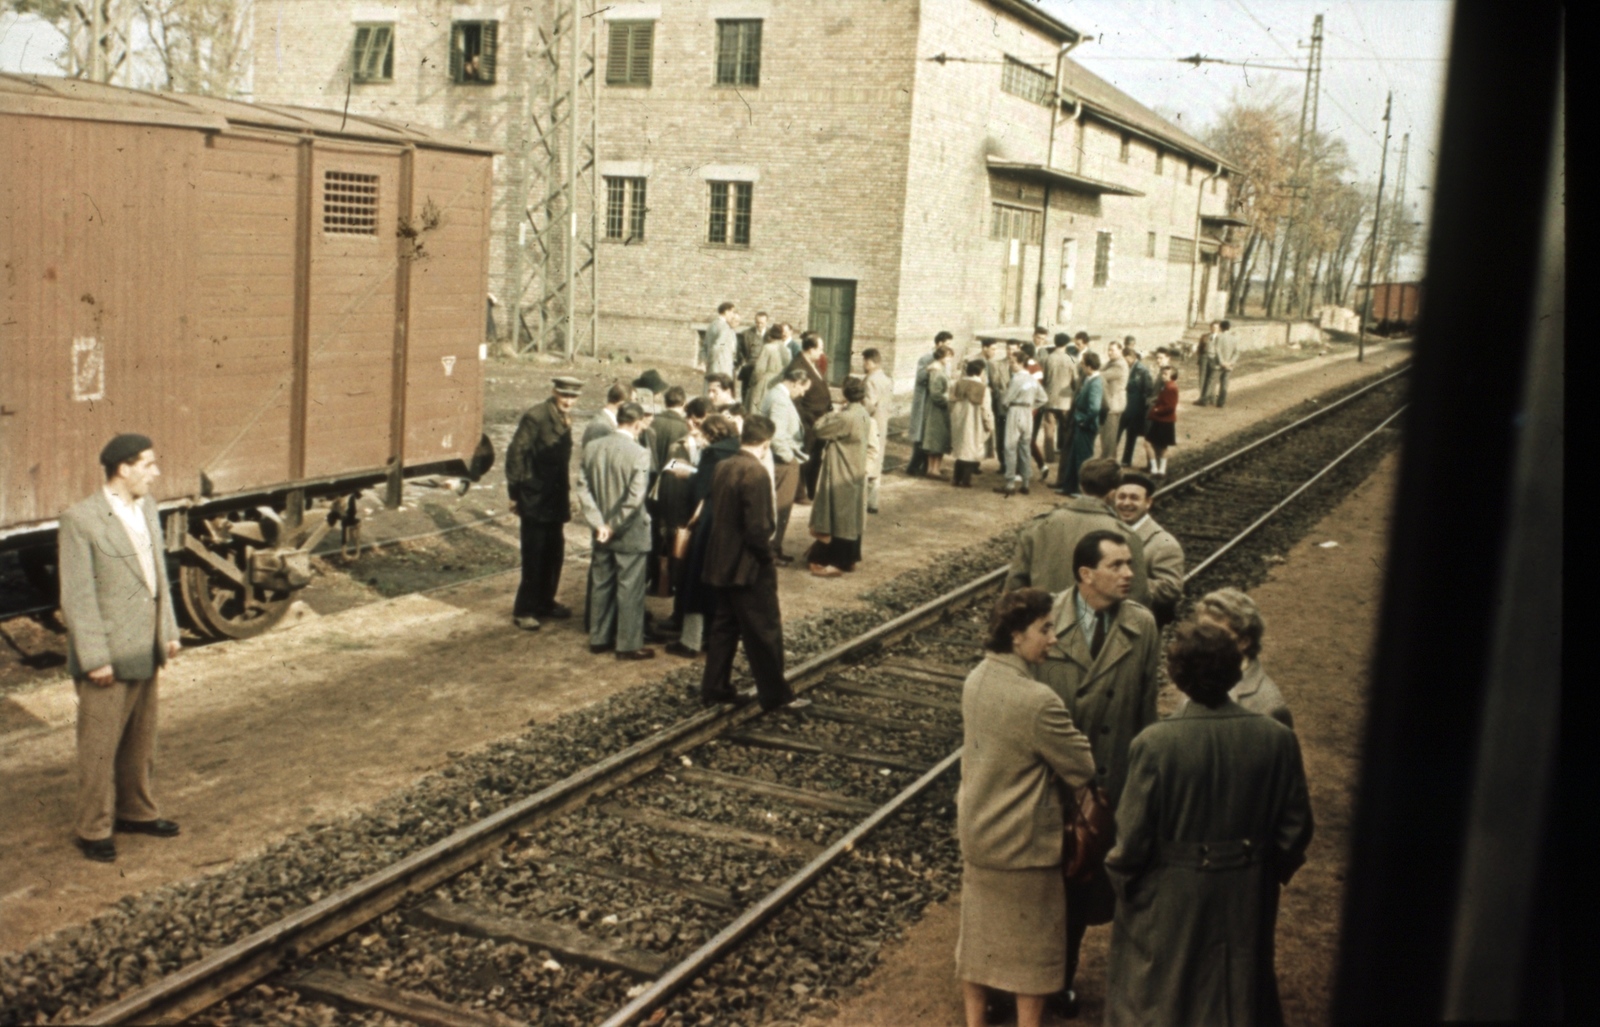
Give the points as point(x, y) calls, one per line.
point(1099, 640)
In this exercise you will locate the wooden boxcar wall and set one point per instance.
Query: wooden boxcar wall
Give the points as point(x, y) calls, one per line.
point(198, 287)
point(96, 325)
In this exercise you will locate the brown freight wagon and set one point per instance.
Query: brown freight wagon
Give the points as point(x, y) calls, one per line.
point(290, 302)
point(1396, 305)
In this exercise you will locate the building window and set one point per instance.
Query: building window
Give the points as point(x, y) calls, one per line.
point(1127, 147)
point(730, 213)
point(628, 56)
point(349, 203)
point(1160, 162)
point(1188, 173)
point(1179, 250)
point(1026, 81)
point(625, 209)
point(1150, 245)
point(739, 52)
point(372, 56)
point(1008, 222)
point(1102, 259)
point(472, 51)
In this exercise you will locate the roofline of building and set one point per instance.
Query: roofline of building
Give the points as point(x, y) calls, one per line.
point(1165, 142)
point(1039, 18)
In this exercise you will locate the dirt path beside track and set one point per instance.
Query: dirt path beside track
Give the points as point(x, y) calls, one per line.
point(261, 738)
point(1321, 611)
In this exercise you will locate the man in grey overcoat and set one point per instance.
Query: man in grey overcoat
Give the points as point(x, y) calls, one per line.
point(1043, 555)
point(117, 604)
point(613, 479)
point(1214, 819)
point(1105, 666)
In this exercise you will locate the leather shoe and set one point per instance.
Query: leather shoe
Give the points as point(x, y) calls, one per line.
point(1063, 1003)
point(526, 623)
point(556, 612)
point(159, 828)
point(796, 704)
point(102, 851)
point(598, 649)
point(1005, 490)
point(782, 560)
point(679, 649)
point(645, 653)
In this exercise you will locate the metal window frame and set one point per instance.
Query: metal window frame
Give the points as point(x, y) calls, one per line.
point(616, 206)
point(717, 229)
point(361, 55)
point(1040, 85)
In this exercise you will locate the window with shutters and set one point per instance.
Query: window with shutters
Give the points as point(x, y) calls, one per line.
point(472, 52)
point(1008, 222)
point(730, 213)
point(1127, 148)
point(1102, 259)
point(372, 55)
point(629, 53)
point(1022, 79)
point(1150, 245)
point(1180, 250)
point(739, 52)
point(625, 209)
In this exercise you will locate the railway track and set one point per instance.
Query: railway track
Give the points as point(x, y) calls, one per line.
point(606, 896)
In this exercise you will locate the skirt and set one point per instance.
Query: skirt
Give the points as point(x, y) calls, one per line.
point(1161, 434)
point(1013, 929)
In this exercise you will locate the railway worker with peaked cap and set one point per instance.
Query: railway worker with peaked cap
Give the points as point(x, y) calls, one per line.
point(117, 603)
point(538, 476)
point(1214, 821)
point(613, 479)
point(1043, 556)
point(1021, 746)
point(1163, 555)
point(1105, 666)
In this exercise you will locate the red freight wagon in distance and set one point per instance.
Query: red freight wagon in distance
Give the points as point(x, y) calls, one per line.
point(288, 301)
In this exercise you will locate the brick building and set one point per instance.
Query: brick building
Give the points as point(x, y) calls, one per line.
point(879, 171)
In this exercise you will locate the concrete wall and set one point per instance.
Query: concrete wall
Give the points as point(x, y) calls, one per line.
point(1260, 334)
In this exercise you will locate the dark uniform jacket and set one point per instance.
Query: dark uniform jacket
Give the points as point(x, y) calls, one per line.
point(816, 400)
point(538, 465)
point(741, 507)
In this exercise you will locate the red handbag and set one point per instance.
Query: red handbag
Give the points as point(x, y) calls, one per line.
point(1090, 830)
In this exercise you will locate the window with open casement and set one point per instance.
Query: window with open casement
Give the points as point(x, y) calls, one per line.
point(372, 54)
point(472, 52)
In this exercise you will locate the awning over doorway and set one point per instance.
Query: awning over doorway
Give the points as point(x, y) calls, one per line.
point(1055, 176)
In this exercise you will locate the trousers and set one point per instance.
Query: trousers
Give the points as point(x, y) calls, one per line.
point(616, 598)
point(1018, 459)
point(1109, 429)
point(116, 755)
point(544, 549)
point(749, 614)
point(1208, 379)
point(785, 482)
point(1222, 385)
point(1080, 449)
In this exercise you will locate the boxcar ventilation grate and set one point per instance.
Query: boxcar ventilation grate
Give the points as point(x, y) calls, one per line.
point(349, 203)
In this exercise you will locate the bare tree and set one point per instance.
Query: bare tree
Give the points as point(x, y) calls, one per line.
point(108, 30)
point(194, 46)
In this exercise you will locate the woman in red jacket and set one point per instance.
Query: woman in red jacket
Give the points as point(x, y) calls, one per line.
point(1162, 432)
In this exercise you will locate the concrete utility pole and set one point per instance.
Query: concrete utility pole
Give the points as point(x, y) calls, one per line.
point(1398, 218)
point(1377, 215)
point(1302, 189)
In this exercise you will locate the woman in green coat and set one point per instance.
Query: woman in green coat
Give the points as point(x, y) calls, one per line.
point(1214, 820)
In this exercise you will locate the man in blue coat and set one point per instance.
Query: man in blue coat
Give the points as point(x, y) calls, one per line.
point(1088, 408)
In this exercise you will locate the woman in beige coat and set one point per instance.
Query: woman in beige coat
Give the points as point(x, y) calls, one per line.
point(971, 423)
point(839, 511)
point(1020, 746)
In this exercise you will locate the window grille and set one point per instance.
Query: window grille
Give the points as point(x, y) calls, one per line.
point(739, 52)
point(1180, 250)
point(629, 53)
point(1008, 222)
point(372, 55)
point(625, 209)
point(1022, 79)
point(349, 203)
point(730, 213)
point(472, 52)
point(1102, 259)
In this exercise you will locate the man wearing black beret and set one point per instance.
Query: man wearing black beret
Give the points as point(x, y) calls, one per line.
point(121, 630)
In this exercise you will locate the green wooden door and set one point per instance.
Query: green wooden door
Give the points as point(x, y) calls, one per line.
point(833, 316)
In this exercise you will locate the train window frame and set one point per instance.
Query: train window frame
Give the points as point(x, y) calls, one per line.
point(372, 53)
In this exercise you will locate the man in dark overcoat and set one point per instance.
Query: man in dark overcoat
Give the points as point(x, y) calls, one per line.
point(812, 404)
point(117, 603)
point(538, 477)
point(1105, 666)
point(742, 573)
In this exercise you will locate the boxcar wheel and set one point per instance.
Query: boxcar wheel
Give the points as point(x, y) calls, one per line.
point(222, 608)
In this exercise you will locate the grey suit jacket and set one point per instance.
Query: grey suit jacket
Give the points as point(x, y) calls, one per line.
point(112, 616)
point(612, 481)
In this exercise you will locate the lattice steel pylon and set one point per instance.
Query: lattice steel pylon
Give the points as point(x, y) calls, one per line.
point(557, 302)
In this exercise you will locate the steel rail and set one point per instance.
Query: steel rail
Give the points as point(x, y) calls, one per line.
point(249, 960)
